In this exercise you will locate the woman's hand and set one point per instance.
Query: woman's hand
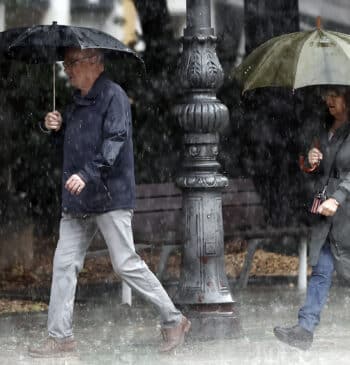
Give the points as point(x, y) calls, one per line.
point(315, 156)
point(328, 207)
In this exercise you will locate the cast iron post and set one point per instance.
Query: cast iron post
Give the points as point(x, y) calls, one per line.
point(203, 291)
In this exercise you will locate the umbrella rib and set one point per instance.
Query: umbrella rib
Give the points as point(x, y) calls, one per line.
point(342, 49)
point(271, 55)
point(77, 36)
point(21, 37)
point(337, 47)
point(299, 58)
point(260, 66)
point(126, 50)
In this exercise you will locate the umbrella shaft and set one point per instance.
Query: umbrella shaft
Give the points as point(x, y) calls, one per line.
point(54, 86)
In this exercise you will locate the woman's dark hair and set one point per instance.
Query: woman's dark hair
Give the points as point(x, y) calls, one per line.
point(339, 90)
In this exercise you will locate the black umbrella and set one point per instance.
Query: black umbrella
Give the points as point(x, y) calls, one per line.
point(47, 44)
point(6, 39)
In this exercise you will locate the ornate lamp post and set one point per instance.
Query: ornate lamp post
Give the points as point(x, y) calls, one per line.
point(203, 291)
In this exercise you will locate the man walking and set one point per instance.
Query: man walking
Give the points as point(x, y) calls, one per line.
point(98, 193)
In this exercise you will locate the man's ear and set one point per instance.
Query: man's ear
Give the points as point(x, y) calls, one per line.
point(94, 59)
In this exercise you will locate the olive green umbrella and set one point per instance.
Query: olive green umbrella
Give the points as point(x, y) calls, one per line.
point(294, 60)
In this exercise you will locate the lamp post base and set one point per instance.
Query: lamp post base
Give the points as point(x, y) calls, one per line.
point(214, 322)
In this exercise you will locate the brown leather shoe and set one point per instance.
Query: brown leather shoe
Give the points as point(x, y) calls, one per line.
point(51, 347)
point(174, 337)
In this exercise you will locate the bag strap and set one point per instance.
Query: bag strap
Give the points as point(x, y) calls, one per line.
point(335, 156)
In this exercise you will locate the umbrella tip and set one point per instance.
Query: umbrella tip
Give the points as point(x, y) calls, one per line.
point(318, 22)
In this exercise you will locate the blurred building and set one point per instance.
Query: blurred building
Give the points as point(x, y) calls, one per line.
point(117, 17)
point(335, 13)
point(228, 18)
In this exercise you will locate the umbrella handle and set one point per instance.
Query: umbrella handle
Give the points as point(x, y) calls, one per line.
point(317, 144)
point(318, 23)
point(54, 86)
point(304, 168)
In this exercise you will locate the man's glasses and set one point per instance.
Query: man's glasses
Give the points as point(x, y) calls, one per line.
point(70, 64)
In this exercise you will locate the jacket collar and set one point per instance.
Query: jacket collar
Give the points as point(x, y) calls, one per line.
point(90, 97)
point(342, 131)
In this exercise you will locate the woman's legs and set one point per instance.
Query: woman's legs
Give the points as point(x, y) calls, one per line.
point(318, 289)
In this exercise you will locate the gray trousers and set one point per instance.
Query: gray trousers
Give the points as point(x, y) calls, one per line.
point(74, 239)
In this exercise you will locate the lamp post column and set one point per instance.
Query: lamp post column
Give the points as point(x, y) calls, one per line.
point(203, 290)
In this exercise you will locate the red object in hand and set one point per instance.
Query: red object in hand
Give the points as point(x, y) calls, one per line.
point(315, 204)
point(305, 168)
point(314, 166)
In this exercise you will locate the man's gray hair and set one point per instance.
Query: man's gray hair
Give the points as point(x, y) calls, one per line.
point(92, 52)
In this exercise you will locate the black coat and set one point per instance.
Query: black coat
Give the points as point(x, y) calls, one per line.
point(336, 227)
point(97, 145)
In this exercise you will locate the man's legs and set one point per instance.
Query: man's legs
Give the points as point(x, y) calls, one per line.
point(115, 226)
point(74, 238)
point(318, 289)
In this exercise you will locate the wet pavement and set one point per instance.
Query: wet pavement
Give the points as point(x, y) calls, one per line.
point(109, 333)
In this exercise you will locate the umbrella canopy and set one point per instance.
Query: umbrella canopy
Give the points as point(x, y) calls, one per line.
point(299, 59)
point(7, 37)
point(47, 43)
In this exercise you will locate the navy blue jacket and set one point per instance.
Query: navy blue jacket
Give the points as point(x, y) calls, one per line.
point(97, 131)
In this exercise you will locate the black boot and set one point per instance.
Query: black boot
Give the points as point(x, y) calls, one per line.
point(294, 336)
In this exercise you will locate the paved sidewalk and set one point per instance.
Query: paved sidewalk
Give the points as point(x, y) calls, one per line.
point(109, 333)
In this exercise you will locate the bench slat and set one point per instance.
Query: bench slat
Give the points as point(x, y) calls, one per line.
point(157, 226)
point(239, 184)
point(175, 202)
point(158, 204)
point(155, 190)
point(158, 214)
point(240, 217)
point(241, 198)
point(270, 232)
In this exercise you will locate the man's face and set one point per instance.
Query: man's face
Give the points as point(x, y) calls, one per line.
point(77, 65)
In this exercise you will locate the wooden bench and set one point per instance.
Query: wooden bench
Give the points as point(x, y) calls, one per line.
point(157, 222)
point(157, 218)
